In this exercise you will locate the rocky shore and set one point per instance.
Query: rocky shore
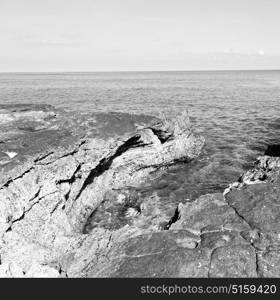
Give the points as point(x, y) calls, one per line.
point(67, 206)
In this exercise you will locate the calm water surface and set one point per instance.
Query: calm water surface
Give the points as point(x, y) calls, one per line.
point(236, 111)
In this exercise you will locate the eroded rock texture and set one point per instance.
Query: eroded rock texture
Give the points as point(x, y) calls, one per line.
point(71, 210)
point(235, 234)
point(256, 200)
point(47, 198)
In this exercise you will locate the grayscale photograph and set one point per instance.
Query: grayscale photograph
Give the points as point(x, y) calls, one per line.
point(140, 139)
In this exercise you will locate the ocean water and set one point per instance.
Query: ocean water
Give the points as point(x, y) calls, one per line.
point(238, 112)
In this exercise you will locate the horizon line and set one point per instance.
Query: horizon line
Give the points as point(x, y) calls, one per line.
point(139, 71)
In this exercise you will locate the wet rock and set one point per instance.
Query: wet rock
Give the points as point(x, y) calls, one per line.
point(118, 209)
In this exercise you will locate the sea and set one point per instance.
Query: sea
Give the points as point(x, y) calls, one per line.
point(238, 113)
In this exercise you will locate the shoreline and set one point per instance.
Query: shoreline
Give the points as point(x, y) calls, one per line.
point(48, 201)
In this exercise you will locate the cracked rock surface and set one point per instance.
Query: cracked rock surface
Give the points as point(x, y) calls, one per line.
point(235, 234)
point(68, 207)
point(48, 195)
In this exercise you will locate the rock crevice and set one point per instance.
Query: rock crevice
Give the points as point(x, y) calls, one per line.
point(44, 209)
point(48, 199)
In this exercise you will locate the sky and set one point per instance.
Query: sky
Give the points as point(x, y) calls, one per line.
point(138, 35)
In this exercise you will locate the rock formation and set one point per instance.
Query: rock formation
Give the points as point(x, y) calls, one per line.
point(231, 235)
point(47, 198)
point(70, 210)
